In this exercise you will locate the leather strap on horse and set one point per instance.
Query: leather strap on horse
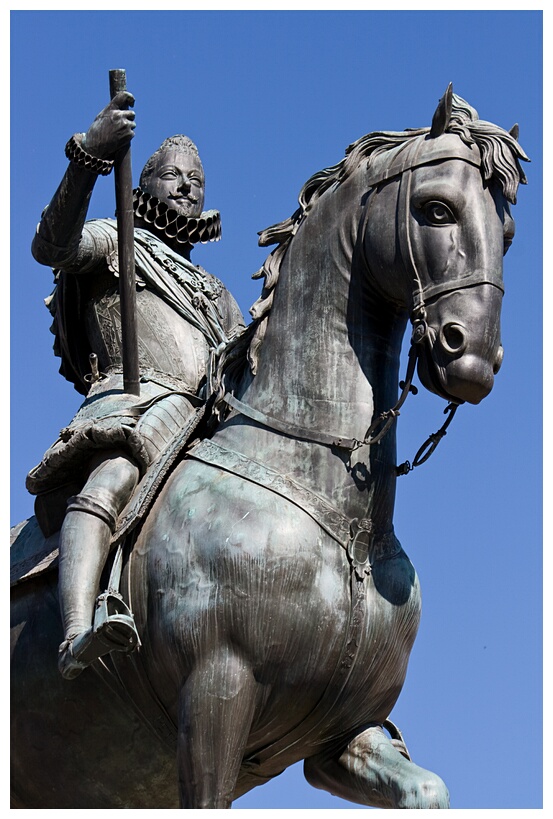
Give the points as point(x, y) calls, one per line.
point(386, 419)
point(345, 532)
point(330, 519)
point(326, 438)
point(290, 429)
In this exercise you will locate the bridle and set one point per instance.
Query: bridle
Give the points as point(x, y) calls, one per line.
point(422, 294)
point(407, 157)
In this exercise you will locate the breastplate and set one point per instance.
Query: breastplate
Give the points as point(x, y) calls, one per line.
point(166, 341)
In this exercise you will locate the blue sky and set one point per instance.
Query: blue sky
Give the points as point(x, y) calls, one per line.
point(270, 98)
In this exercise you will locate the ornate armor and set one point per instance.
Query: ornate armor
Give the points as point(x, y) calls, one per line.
point(183, 313)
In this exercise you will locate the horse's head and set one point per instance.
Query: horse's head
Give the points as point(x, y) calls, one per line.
point(442, 256)
point(427, 214)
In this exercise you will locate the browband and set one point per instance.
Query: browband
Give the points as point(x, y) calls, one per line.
point(414, 153)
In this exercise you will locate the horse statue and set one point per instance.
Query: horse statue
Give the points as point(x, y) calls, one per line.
point(276, 607)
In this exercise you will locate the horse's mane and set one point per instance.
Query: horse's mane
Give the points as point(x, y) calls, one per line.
point(500, 154)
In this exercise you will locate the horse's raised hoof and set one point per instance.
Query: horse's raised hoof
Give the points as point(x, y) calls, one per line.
point(116, 632)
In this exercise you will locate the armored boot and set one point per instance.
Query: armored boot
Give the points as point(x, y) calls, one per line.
point(94, 625)
point(113, 629)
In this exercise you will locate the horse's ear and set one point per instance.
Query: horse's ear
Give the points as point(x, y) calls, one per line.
point(514, 131)
point(442, 114)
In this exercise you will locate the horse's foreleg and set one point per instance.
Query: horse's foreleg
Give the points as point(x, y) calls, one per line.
point(371, 771)
point(215, 713)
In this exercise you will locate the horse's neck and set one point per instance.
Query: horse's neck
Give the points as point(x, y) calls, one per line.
point(328, 362)
point(330, 346)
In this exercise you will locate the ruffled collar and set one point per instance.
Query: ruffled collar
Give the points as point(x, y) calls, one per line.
point(173, 227)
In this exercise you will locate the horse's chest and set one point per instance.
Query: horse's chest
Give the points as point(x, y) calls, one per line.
point(381, 630)
point(348, 669)
point(294, 614)
point(248, 572)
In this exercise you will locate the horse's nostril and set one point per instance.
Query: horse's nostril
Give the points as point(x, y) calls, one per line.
point(498, 360)
point(453, 338)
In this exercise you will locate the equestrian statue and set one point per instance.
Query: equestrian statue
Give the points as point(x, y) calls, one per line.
point(211, 589)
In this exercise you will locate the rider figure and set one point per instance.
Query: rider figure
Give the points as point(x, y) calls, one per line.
point(183, 313)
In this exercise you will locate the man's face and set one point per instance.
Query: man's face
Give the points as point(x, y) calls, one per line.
point(177, 179)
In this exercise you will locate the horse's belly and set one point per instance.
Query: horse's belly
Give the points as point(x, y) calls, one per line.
point(232, 566)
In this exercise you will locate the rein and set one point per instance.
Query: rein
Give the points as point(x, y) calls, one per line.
point(386, 418)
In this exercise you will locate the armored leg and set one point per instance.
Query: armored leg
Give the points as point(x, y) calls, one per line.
point(372, 771)
point(84, 546)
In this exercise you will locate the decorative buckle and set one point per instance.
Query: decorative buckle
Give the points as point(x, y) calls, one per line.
point(359, 545)
point(420, 331)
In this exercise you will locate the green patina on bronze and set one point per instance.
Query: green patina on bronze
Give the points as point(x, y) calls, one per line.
point(274, 605)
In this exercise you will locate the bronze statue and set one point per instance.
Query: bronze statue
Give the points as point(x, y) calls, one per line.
point(89, 475)
point(275, 606)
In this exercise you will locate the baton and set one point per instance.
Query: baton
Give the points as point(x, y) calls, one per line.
point(125, 243)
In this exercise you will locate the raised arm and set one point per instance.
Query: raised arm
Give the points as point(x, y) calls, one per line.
point(59, 240)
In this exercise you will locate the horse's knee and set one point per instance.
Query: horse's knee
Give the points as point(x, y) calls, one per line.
point(404, 783)
point(347, 776)
point(372, 771)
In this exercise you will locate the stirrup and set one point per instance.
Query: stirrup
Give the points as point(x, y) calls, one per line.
point(113, 630)
point(114, 622)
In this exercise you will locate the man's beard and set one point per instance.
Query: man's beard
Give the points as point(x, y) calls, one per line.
point(172, 226)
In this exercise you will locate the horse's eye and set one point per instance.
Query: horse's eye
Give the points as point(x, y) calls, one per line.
point(436, 213)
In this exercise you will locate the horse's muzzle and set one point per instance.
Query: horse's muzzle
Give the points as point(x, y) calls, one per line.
point(463, 351)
